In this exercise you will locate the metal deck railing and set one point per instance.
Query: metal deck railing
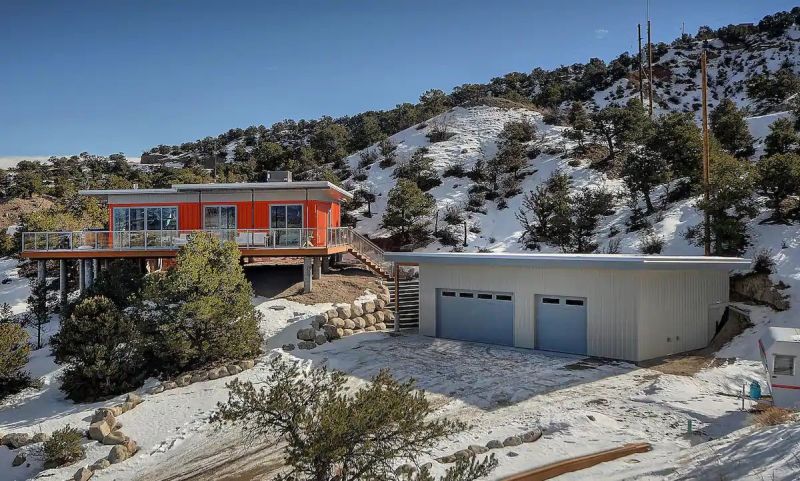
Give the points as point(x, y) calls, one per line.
point(288, 238)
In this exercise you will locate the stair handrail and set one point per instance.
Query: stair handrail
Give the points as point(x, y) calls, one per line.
point(369, 249)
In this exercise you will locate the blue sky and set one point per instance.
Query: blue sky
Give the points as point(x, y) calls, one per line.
point(111, 76)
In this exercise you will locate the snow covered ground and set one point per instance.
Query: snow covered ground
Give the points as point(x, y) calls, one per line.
point(583, 406)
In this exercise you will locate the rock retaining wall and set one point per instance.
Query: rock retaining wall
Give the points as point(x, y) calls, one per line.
point(201, 375)
point(345, 320)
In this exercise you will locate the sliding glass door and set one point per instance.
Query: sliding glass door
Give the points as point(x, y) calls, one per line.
point(222, 219)
point(286, 224)
point(144, 226)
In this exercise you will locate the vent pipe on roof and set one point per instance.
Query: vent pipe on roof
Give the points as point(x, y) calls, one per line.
point(135, 186)
point(279, 176)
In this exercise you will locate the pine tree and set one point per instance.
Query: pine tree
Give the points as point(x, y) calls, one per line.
point(408, 211)
point(41, 304)
point(333, 433)
point(420, 170)
point(779, 178)
point(730, 129)
point(644, 170)
point(102, 348)
point(730, 205)
point(679, 141)
point(14, 351)
point(200, 311)
point(368, 132)
point(782, 138)
point(580, 122)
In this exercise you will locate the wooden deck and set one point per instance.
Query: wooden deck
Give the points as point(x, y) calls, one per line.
point(169, 253)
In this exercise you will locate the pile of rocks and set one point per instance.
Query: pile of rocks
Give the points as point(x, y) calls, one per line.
point(346, 320)
point(18, 440)
point(185, 379)
point(475, 449)
point(105, 428)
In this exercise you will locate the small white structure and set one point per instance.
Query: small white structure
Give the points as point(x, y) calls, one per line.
point(628, 307)
point(780, 350)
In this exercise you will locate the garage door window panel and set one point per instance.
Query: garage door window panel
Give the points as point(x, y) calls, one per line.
point(474, 316)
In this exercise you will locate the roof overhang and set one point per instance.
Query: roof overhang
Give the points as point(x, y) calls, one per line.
point(571, 261)
point(243, 186)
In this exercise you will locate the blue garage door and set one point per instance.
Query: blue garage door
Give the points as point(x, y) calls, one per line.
point(476, 316)
point(561, 324)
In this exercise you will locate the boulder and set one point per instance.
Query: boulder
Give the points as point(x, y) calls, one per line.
point(389, 314)
point(369, 307)
point(117, 426)
point(157, 389)
point(131, 447)
point(321, 339)
point(114, 438)
point(288, 347)
point(332, 332)
point(512, 441)
point(347, 332)
point(19, 459)
point(379, 316)
point(405, 469)
point(15, 440)
point(349, 324)
point(358, 331)
point(318, 321)
point(379, 304)
point(379, 326)
point(532, 436)
point(463, 454)
point(233, 369)
point(494, 444)
point(369, 329)
point(307, 334)
point(345, 312)
point(167, 385)
point(357, 310)
point(447, 459)
point(337, 322)
point(99, 430)
point(83, 474)
point(118, 454)
point(331, 313)
point(478, 449)
point(200, 376)
point(40, 438)
point(246, 364)
point(104, 414)
point(306, 344)
point(359, 322)
point(370, 319)
point(184, 380)
point(127, 406)
point(100, 465)
point(134, 398)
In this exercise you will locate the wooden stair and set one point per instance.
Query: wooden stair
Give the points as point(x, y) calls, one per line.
point(370, 264)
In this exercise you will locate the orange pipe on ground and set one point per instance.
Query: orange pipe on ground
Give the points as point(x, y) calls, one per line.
point(558, 468)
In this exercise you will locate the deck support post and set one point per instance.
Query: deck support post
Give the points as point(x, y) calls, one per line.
point(41, 272)
point(89, 275)
point(316, 268)
point(62, 281)
point(307, 274)
point(326, 264)
point(95, 268)
point(81, 276)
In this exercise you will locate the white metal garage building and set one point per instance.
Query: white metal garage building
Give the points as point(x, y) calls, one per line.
point(614, 306)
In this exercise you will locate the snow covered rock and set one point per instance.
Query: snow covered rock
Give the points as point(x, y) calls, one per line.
point(15, 440)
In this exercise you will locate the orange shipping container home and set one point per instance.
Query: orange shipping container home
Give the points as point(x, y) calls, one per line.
point(188, 207)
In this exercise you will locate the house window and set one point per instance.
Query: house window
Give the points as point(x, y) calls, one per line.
point(286, 222)
point(783, 365)
point(139, 219)
point(219, 217)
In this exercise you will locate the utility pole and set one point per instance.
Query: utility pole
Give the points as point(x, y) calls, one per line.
point(706, 153)
point(650, 67)
point(641, 68)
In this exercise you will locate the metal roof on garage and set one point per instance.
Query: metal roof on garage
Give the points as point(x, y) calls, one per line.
point(575, 261)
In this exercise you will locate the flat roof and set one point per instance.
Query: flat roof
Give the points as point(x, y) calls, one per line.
point(784, 334)
point(577, 261)
point(177, 188)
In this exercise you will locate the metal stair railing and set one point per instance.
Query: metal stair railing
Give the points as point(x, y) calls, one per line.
point(368, 249)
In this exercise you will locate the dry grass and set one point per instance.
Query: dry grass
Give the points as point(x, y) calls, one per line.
point(345, 286)
point(773, 416)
